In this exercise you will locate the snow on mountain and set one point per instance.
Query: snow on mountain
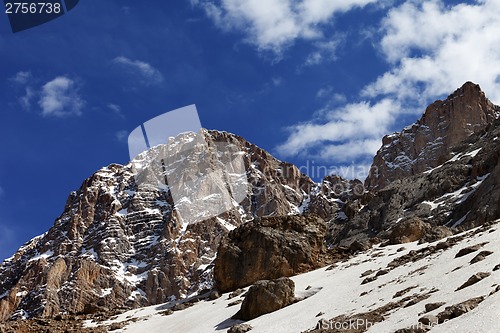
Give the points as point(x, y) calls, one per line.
point(403, 280)
point(140, 237)
point(428, 143)
point(124, 239)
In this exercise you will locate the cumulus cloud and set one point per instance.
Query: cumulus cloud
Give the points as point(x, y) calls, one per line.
point(342, 134)
point(60, 97)
point(273, 25)
point(148, 74)
point(431, 49)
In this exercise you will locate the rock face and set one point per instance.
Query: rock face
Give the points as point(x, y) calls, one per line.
point(461, 193)
point(268, 249)
point(428, 143)
point(121, 244)
point(265, 297)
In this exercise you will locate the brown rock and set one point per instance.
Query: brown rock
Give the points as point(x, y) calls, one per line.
point(266, 296)
point(428, 320)
point(271, 248)
point(433, 306)
point(480, 256)
point(408, 231)
point(474, 279)
point(436, 233)
point(428, 143)
point(459, 309)
point(235, 293)
point(469, 249)
point(359, 246)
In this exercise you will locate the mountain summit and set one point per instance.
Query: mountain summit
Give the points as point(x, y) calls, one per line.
point(429, 142)
point(120, 244)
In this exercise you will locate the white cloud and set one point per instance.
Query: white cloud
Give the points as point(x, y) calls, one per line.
point(434, 49)
point(121, 135)
point(325, 51)
point(114, 107)
point(21, 78)
point(431, 49)
point(272, 25)
point(149, 74)
point(25, 100)
point(60, 98)
point(342, 134)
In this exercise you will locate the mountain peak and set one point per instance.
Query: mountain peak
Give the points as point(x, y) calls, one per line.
point(429, 142)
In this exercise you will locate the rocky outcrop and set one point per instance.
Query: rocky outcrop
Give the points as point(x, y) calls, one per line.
point(266, 297)
point(408, 231)
point(461, 193)
point(270, 248)
point(429, 142)
point(121, 243)
point(459, 309)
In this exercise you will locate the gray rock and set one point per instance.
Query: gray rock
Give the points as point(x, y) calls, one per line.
point(239, 328)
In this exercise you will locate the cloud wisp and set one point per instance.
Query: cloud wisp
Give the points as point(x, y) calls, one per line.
point(147, 74)
point(21, 77)
point(342, 134)
point(60, 98)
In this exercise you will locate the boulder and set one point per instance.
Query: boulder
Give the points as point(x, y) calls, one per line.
point(266, 296)
point(474, 279)
point(457, 310)
point(240, 328)
point(270, 248)
point(408, 231)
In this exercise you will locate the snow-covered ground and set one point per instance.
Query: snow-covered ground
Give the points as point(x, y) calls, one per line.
point(338, 291)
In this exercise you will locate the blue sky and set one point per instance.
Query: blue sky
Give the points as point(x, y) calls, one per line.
point(311, 81)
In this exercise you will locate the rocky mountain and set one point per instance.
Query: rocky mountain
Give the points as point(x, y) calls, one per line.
point(429, 142)
point(451, 285)
point(131, 238)
point(121, 243)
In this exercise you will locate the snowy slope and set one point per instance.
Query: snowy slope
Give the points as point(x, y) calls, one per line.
point(422, 269)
